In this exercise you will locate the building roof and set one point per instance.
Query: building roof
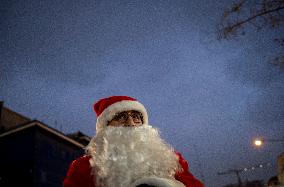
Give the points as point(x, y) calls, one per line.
point(10, 119)
point(80, 137)
point(36, 123)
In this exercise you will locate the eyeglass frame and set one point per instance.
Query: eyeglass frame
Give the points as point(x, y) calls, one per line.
point(118, 117)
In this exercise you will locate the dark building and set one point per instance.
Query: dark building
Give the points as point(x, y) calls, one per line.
point(34, 154)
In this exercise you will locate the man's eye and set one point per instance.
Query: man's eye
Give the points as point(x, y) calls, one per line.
point(122, 117)
point(135, 116)
point(117, 117)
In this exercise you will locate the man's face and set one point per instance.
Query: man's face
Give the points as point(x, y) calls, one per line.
point(130, 118)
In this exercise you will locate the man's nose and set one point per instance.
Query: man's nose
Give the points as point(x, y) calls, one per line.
point(129, 121)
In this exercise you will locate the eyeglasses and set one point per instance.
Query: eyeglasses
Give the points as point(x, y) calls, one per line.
point(123, 116)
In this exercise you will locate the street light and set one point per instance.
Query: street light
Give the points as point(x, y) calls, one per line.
point(259, 141)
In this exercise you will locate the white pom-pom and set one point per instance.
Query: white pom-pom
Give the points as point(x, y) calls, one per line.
point(158, 182)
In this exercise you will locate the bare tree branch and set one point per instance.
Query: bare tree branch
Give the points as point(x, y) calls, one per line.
point(230, 28)
point(257, 13)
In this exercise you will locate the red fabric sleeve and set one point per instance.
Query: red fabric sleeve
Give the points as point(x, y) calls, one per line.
point(79, 174)
point(185, 176)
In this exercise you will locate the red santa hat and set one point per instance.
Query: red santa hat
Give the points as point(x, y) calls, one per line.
point(106, 109)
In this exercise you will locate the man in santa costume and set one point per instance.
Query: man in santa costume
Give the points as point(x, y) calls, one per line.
point(128, 152)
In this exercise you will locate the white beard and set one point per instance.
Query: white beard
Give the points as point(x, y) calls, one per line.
point(121, 155)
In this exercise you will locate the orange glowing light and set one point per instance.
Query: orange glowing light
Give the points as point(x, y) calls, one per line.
point(258, 142)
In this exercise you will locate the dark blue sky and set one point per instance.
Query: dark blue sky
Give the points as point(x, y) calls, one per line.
point(209, 98)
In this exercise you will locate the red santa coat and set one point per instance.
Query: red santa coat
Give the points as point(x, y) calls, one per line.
point(79, 174)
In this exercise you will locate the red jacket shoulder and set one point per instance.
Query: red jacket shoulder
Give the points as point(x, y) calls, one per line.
point(184, 175)
point(79, 173)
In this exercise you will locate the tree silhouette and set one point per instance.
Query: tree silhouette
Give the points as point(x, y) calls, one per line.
point(256, 13)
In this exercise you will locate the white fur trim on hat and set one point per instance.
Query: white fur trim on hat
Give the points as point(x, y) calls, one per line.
point(121, 106)
point(158, 182)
